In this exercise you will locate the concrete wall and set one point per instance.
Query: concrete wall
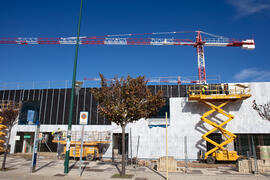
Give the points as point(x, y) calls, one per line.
point(184, 121)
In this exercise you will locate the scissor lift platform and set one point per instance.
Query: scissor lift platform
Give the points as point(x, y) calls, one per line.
point(216, 97)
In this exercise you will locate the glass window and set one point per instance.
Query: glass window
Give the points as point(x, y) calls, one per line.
point(162, 112)
point(29, 113)
point(30, 116)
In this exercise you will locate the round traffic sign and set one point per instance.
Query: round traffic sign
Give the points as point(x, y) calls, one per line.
point(83, 116)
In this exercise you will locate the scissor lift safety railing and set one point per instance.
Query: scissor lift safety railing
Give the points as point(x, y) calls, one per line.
point(216, 97)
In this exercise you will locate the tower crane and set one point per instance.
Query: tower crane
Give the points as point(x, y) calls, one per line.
point(131, 39)
point(215, 98)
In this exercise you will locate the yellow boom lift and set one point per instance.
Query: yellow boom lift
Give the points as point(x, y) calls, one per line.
point(216, 97)
point(93, 143)
point(5, 104)
point(2, 135)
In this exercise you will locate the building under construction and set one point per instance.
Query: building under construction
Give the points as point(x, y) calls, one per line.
point(217, 122)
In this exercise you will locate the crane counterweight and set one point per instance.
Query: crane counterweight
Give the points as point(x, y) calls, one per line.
point(250, 44)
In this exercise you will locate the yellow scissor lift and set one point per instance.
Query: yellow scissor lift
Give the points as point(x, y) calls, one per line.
point(216, 97)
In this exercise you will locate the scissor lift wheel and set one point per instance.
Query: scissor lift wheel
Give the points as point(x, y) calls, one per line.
point(210, 160)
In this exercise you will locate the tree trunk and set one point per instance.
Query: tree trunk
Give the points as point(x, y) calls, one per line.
point(5, 153)
point(123, 172)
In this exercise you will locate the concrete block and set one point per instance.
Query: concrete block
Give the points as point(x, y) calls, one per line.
point(243, 166)
point(172, 164)
point(260, 165)
point(248, 166)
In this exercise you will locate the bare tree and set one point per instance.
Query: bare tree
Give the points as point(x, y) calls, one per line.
point(9, 119)
point(125, 101)
point(263, 110)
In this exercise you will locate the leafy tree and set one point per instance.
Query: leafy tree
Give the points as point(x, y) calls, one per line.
point(9, 119)
point(124, 101)
point(263, 110)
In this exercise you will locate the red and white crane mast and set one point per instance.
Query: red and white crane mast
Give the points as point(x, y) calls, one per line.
point(200, 58)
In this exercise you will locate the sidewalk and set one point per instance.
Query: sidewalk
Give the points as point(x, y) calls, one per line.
point(50, 169)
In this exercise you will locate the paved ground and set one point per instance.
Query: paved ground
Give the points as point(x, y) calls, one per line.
point(49, 169)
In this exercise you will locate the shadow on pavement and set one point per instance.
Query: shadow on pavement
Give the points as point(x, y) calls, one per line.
point(118, 169)
point(45, 165)
point(85, 164)
point(72, 166)
point(164, 177)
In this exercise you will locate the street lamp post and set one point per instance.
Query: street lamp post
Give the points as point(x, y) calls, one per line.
point(66, 169)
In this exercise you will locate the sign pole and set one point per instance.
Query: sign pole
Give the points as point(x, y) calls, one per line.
point(66, 164)
point(34, 155)
point(83, 122)
point(81, 150)
point(167, 169)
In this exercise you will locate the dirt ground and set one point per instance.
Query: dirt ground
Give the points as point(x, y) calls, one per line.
point(18, 166)
point(193, 164)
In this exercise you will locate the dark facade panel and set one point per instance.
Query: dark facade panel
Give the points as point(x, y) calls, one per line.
point(60, 106)
point(10, 95)
point(183, 90)
point(1, 95)
point(47, 107)
point(66, 114)
point(30, 95)
point(74, 114)
point(175, 91)
point(18, 95)
point(42, 105)
point(5, 95)
point(170, 90)
point(54, 106)
point(87, 101)
point(54, 103)
point(22, 95)
point(93, 116)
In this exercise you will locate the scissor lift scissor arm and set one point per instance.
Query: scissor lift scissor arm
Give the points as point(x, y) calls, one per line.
point(211, 99)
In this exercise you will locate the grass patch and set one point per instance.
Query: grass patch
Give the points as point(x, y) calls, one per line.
point(127, 176)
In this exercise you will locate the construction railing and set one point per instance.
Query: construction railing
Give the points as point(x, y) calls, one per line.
point(218, 89)
point(88, 136)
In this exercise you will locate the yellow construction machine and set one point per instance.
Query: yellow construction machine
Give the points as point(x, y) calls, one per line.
point(216, 97)
point(5, 104)
point(93, 144)
point(2, 135)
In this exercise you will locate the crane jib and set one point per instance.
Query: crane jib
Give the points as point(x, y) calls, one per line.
point(129, 39)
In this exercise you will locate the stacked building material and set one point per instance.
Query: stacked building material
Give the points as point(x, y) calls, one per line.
point(249, 166)
point(172, 164)
point(263, 152)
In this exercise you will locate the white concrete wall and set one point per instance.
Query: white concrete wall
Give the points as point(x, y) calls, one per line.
point(184, 121)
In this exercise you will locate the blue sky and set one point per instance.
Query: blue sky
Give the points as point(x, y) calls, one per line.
point(241, 19)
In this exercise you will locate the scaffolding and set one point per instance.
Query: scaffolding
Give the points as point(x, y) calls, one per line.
point(216, 97)
point(93, 143)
